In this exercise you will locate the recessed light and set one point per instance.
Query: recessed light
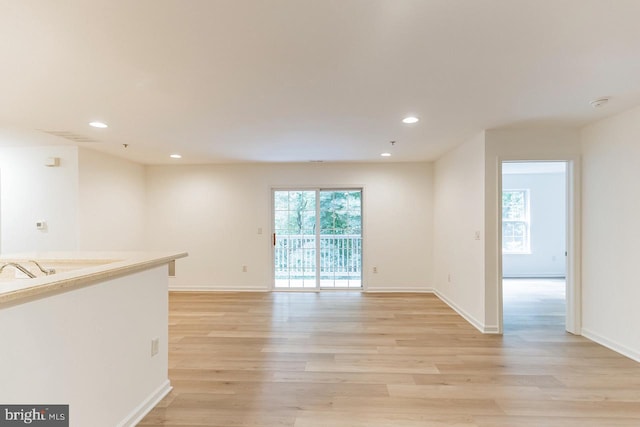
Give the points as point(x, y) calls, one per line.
point(175, 156)
point(386, 154)
point(410, 120)
point(98, 125)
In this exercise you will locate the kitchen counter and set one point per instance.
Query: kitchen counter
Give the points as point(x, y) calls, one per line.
point(93, 335)
point(74, 270)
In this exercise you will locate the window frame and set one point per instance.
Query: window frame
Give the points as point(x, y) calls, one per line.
point(526, 221)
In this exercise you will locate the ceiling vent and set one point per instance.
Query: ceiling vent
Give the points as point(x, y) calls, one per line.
point(71, 136)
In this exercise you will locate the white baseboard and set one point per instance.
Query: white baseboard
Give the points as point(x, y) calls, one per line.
point(403, 289)
point(259, 289)
point(491, 329)
point(216, 289)
point(146, 406)
point(469, 318)
point(615, 346)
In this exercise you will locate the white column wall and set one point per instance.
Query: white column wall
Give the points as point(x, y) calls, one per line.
point(31, 191)
point(459, 214)
point(111, 202)
point(610, 230)
point(91, 201)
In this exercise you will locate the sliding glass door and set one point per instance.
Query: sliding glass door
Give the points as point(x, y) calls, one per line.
point(317, 239)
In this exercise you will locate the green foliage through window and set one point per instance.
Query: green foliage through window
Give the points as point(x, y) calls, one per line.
point(340, 245)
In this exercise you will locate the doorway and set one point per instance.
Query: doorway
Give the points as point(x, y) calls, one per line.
point(317, 239)
point(534, 230)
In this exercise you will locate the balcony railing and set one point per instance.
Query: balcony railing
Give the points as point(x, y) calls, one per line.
point(340, 257)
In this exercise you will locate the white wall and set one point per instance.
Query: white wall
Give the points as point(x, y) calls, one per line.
point(611, 208)
point(547, 196)
point(31, 191)
point(91, 201)
point(111, 202)
point(467, 197)
point(459, 213)
point(89, 348)
point(214, 212)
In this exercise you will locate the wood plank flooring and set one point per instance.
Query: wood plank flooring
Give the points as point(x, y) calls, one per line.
point(347, 359)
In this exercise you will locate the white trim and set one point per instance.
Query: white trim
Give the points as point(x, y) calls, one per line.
point(612, 345)
point(316, 290)
point(318, 243)
point(416, 289)
point(518, 253)
point(573, 264)
point(411, 289)
point(469, 318)
point(498, 248)
point(491, 330)
point(146, 405)
point(198, 288)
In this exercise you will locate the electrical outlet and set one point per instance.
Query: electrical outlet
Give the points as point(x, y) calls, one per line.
point(476, 235)
point(375, 270)
point(244, 269)
point(449, 278)
point(155, 346)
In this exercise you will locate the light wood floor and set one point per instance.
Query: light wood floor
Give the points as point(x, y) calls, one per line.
point(343, 359)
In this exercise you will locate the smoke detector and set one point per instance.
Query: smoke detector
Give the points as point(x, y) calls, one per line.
point(600, 102)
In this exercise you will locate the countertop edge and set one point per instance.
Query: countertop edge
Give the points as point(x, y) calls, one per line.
point(124, 264)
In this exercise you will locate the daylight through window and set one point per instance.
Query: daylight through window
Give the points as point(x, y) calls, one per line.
point(515, 222)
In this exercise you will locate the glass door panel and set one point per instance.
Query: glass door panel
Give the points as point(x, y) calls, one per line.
point(295, 239)
point(341, 238)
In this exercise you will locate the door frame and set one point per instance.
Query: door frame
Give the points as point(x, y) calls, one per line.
point(573, 299)
point(316, 188)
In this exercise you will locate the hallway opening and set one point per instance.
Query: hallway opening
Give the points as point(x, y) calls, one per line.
point(534, 245)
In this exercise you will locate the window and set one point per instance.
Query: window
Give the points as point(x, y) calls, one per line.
point(515, 222)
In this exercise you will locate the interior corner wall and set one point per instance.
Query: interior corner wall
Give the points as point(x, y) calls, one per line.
point(458, 215)
point(610, 232)
point(517, 144)
point(32, 192)
point(214, 213)
point(548, 199)
point(112, 200)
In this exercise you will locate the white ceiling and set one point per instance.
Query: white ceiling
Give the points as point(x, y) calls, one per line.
point(299, 80)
